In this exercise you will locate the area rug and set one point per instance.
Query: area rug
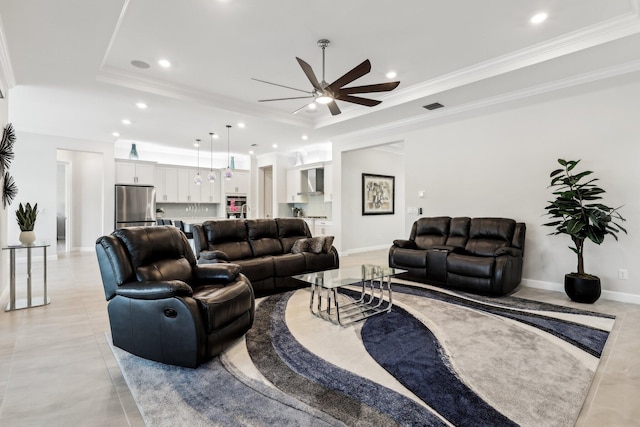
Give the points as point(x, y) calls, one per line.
point(439, 358)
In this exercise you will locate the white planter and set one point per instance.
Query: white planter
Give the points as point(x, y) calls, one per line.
point(27, 237)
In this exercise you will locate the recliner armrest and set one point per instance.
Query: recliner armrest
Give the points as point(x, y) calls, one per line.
point(405, 244)
point(214, 255)
point(509, 251)
point(216, 273)
point(151, 290)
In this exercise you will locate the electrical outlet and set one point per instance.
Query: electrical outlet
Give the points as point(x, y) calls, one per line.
point(623, 274)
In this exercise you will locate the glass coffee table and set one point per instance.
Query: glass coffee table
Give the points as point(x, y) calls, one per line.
point(366, 291)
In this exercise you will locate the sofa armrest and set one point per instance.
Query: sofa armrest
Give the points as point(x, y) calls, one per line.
point(152, 290)
point(509, 251)
point(216, 273)
point(405, 244)
point(214, 255)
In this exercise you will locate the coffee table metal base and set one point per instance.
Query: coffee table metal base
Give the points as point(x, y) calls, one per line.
point(375, 297)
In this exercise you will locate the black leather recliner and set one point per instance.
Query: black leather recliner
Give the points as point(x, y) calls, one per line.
point(478, 254)
point(165, 307)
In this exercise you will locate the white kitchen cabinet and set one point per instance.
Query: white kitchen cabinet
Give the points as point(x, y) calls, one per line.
point(137, 173)
point(188, 191)
point(323, 228)
point(328, 182)
point(238, 184)
point(294, 186)
point(210, 191)
point(166, 183)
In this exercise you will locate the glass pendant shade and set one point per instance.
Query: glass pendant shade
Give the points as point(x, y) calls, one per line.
point(212, 175)
point(133, 154)
point(198, 179)
point(227, 173)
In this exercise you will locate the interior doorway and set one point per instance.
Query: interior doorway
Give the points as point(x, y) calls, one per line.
point(63, 202)
point(266, 191)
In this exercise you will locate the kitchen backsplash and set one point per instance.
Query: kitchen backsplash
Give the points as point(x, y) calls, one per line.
point(315, 207)
point(189, 210)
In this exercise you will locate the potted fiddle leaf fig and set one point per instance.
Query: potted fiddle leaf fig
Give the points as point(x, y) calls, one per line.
point(578, 212)
point(26, 217)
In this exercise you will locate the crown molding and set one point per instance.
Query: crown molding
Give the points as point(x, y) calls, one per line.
point(613, 29)
point(413, 122)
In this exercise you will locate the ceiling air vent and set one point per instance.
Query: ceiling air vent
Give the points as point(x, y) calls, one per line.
point(433, 106)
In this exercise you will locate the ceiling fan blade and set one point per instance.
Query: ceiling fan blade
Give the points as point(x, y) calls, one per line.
point(309, 73)
point(303, 107)
point(284, 99)
point(355, 73)
point(276, 84)
point(380, 87)
point(333, 107)
point(358, 100)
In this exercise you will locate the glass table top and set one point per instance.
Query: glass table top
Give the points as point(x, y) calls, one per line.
point(348, 275)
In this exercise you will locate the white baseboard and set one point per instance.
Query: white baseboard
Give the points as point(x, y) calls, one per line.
point(559, 287)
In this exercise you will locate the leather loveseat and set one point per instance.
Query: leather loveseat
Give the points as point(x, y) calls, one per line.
point(165, 307)
point(484, 255)
point(268, 250)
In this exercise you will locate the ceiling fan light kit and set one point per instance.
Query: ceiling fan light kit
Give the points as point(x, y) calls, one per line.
point(328, 94)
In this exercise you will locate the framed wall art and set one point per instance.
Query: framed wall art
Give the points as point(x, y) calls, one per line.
point(378, 194)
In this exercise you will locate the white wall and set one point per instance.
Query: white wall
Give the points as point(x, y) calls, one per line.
point(362, 232)
point(87, 197)
point(497, 163)
point(4, 258)
point(35, 172)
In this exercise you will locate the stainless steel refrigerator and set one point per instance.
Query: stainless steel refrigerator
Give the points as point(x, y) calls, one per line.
point(135, 205)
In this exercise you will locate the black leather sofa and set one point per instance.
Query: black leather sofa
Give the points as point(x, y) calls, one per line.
point(165, 307)
point(266, 250)
point(484, 255)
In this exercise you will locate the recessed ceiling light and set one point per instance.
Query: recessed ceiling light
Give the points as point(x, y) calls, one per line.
point(141, 105)
point(391, 75)
point(312, 106)
point(275, 145)
point(140, 64)
point(251, 152)
point(164, 63)
point(216, 136)
point(126, 121)
point(305, 137)
point(116, 134)
point(539, 18)
point(196, 144)
point(240, 124)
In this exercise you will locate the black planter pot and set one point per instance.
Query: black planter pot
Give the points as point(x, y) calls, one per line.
point(584, 289)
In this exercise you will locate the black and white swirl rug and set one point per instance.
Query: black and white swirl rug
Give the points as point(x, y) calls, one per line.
point(439, 358)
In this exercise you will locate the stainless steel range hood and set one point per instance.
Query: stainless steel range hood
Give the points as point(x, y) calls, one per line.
point(312, 182)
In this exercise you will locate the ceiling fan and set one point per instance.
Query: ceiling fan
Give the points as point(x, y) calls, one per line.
point(325, 93)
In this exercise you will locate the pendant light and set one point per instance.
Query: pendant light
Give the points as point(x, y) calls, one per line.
point(227, 173)
point(212, 175)
point(198, 179)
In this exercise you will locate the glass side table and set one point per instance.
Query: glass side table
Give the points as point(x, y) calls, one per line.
point(29, 301)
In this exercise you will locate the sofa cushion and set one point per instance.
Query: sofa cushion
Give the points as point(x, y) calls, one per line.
point(469, 265)
point(289, 265)
point(166, 269)
point(228, 236)
point(290, 230)
point(257, 268)
point(459, 232)
point(487, 235)
point(431, 231)
point(410, 257)
point(263, 237)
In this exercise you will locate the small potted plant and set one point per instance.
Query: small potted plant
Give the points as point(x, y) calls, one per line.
point(26, 217)
point(576, 211)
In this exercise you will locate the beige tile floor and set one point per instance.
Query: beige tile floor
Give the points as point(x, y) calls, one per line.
point(56, 368)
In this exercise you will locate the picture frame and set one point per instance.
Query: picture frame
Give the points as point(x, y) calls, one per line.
point(378, 194)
